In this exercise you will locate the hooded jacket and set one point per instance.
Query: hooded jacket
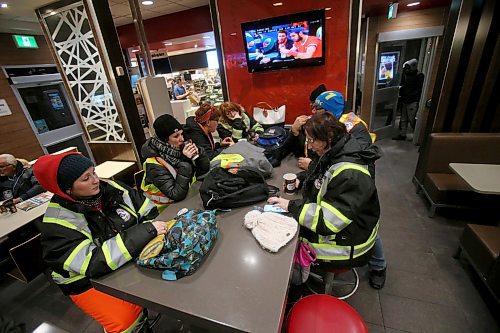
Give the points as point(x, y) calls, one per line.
point(340, 209)
point(238, 128)
point(411, 82)
point(193, 131)
point(174, 186)
point(79, 243)
point(24, 185)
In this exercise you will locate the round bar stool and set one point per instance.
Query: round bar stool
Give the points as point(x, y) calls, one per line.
point(324, 314)
point(327, 281)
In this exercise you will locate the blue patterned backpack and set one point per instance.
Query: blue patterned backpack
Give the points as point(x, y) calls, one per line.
point(184, 247)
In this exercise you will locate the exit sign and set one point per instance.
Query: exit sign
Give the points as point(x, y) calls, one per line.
point(393, 10)
point(27, 42)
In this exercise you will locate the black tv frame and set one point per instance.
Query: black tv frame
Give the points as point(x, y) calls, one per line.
point(284, 19)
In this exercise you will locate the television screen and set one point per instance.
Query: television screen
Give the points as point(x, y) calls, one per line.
point(388, 67)
point(285, 41)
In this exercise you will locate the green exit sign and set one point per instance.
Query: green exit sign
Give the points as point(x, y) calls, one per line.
point(27, 42)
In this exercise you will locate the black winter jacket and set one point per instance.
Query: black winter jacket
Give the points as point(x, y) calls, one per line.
point(203, 140)
point(351, 192)
point(23, 186)
point(175, 188)
point(113, 221)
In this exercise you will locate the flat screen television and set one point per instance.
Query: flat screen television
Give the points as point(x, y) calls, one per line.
point(387, 67)
point(286, 41)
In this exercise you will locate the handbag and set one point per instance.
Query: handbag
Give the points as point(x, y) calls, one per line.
point(267, 115)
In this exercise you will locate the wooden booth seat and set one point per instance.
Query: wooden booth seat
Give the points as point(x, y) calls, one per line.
point(441, 186)
point(481, 247)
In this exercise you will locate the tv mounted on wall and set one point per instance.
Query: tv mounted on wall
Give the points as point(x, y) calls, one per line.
point(286, 41)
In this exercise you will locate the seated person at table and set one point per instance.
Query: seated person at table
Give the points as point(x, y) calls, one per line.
point(199, 129)
point(340, 210)
point(171, 163)
point(235, 123)
point(17, 179)
point(91, 228)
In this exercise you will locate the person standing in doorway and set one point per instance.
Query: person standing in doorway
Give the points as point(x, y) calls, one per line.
point(409, 92)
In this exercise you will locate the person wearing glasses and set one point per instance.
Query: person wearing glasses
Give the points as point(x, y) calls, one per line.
point(339, 210)
point(199, 129)
point(235, 123)
point(17, 181)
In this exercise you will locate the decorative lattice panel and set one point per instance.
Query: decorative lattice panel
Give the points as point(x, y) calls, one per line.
point(75, 44)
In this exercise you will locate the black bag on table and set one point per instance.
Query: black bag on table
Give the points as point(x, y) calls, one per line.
point(241, 187)
point(274, 141)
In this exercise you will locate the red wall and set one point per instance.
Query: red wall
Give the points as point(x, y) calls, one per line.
point(181, 24)
point(293, 86)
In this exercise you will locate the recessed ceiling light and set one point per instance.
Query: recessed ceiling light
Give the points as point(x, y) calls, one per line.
point(3, 5)
point(276, 4)
point(134, 51)
point(233, 33)
point(167, 44)
point(195, 45)
point(327, 8)
point(147, 3)
point(206, 37)
point(328, 17)
point(413, 4)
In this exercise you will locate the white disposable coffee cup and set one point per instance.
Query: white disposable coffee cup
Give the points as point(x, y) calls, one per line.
point(290, 180)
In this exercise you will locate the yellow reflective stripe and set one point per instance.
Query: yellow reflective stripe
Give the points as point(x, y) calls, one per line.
point(73, 254)
point(373, 136)
point(85, 265)
point(107, 255)
point(122, 247)
point(127, 208)
point(350, 166)
point(58, 206)
point(237, 133)
point(59, 279)
point(65, 224)
point(333, 218)
point(309, 216)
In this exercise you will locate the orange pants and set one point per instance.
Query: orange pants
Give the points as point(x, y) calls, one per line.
point(114, 314)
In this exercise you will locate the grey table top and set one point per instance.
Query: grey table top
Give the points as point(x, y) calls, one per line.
point(239, 288)
point(482, 178)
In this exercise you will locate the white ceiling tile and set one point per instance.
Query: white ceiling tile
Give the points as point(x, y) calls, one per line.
point(191, 3)
point(167, 9)
point(119, 10)
point(122, 21)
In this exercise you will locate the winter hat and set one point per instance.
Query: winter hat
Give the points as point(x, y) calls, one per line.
point(165, 125)
point(272, 230)
point(331, 101)
point(70, 169)
point(316, 92)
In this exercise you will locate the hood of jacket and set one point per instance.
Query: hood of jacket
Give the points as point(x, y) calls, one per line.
point(412, 63)
point(45, 171)
point(147, 150)
point(192, 126)
point(348, 149)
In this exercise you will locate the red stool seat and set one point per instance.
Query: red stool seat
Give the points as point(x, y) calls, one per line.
point(324, 314)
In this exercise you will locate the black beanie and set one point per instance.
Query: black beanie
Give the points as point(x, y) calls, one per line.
point(165, 125)
point(316, 92)
point(70, 169)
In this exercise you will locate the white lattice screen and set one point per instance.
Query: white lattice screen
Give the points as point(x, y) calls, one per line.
point(75, 44)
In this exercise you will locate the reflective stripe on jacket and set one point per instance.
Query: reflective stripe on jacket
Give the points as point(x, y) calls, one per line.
point(153, 192)
point(332, 219)
point(239, 133)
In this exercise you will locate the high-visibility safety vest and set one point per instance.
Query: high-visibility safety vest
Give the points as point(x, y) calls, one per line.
point(114, 249)
point(238, 133)
point(150, 190)
point(351, 119)
point(326, 248)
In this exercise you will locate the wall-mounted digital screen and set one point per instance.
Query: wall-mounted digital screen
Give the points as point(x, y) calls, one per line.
point(285, 41)
point(388, 66)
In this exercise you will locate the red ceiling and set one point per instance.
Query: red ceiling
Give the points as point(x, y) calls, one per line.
point(380, 7)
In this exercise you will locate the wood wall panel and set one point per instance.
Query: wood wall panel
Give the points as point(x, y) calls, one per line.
point(405, 21)
point(16, 135)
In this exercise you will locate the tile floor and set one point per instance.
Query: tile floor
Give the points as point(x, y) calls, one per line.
point(426, 289)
